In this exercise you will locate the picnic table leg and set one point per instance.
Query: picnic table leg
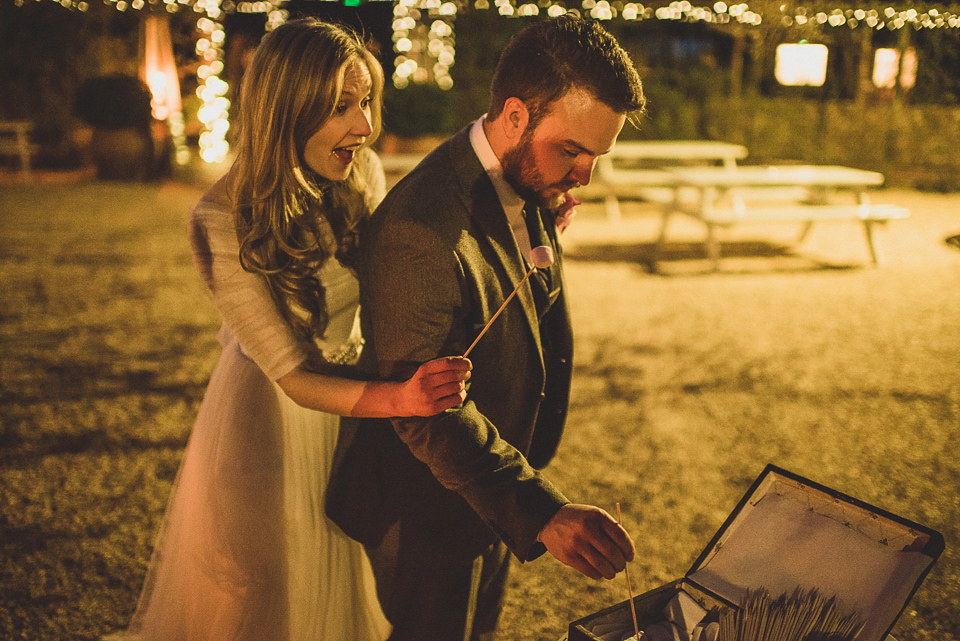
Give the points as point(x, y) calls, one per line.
point(713, 246)
point(664, 219)
point(612, 205)
point(875, 255)
point(24, 143)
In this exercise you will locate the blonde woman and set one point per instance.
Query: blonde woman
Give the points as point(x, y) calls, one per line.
point(245, 551)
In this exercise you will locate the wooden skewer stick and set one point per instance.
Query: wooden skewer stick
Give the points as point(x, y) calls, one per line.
point(633, 608)
point(542, 257)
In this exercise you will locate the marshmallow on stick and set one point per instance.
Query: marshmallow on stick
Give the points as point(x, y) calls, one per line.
point(541, 257)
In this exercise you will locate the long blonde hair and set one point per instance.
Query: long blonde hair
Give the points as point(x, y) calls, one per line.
point(290, 221)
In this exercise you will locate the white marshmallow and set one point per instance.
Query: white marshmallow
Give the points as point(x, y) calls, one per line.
point(542, 256)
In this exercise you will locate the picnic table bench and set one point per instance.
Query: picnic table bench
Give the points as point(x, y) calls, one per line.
point(788, 193)
point(640, 169)
point(15, 141)
point(400, 164)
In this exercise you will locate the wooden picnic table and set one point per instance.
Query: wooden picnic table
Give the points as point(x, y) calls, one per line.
point(639, 169)
point(15, 141)
point(400, 164)
point(773, 193)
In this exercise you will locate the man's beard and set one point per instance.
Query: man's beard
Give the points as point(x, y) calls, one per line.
point(521, 172)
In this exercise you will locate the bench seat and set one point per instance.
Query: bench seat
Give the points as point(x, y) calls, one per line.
point(869, 215)
point(805, 213)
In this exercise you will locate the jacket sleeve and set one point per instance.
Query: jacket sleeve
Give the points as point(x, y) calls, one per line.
point(415, 286)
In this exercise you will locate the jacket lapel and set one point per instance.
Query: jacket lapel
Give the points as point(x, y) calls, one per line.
point(481, 201)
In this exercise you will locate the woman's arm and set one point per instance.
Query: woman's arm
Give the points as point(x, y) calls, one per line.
point(435, 386)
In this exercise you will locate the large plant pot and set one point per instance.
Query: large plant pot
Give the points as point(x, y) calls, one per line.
point(122, 154)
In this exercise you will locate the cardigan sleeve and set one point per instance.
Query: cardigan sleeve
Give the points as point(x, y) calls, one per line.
point(243, 298)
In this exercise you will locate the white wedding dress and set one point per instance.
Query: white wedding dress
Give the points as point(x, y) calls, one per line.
point(245, 552)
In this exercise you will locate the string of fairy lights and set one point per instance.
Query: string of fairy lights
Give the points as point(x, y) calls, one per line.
point(425, 46)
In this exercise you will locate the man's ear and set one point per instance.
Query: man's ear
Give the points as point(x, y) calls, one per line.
point(515, 118)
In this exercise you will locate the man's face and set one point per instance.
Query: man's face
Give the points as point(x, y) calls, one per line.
point(560, 153)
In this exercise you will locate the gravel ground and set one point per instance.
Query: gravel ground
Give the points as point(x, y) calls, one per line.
point(687, 383)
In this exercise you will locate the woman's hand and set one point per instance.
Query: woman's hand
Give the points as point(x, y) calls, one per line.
point(437, 385)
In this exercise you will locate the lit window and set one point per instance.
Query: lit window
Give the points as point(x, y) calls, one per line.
point(801, 64)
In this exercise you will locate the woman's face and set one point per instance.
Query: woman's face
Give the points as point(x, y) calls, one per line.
point(329, 151)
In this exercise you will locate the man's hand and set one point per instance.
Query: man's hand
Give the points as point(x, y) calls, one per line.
point(589, 540)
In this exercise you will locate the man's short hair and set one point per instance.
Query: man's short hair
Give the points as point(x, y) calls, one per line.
point(545, 60)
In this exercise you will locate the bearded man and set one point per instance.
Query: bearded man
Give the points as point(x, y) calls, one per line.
point(439, 501)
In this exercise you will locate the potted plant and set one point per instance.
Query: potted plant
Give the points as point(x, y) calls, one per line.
point(117, 106)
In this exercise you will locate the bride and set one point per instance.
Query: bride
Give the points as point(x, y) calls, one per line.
point(245, 551)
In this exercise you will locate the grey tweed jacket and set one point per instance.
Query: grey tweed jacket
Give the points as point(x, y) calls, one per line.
point(438, 259)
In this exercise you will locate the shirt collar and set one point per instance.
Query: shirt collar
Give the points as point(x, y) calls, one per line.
point(491, 164)
point(509, 199)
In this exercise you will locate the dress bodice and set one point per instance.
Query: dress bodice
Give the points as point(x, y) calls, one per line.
point(341, 341)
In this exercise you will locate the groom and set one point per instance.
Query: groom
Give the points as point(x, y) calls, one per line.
point(440, 500)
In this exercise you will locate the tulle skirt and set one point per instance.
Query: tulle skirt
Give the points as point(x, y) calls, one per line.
point(245, 551)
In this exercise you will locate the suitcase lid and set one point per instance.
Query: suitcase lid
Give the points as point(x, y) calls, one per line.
point(788, 532)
